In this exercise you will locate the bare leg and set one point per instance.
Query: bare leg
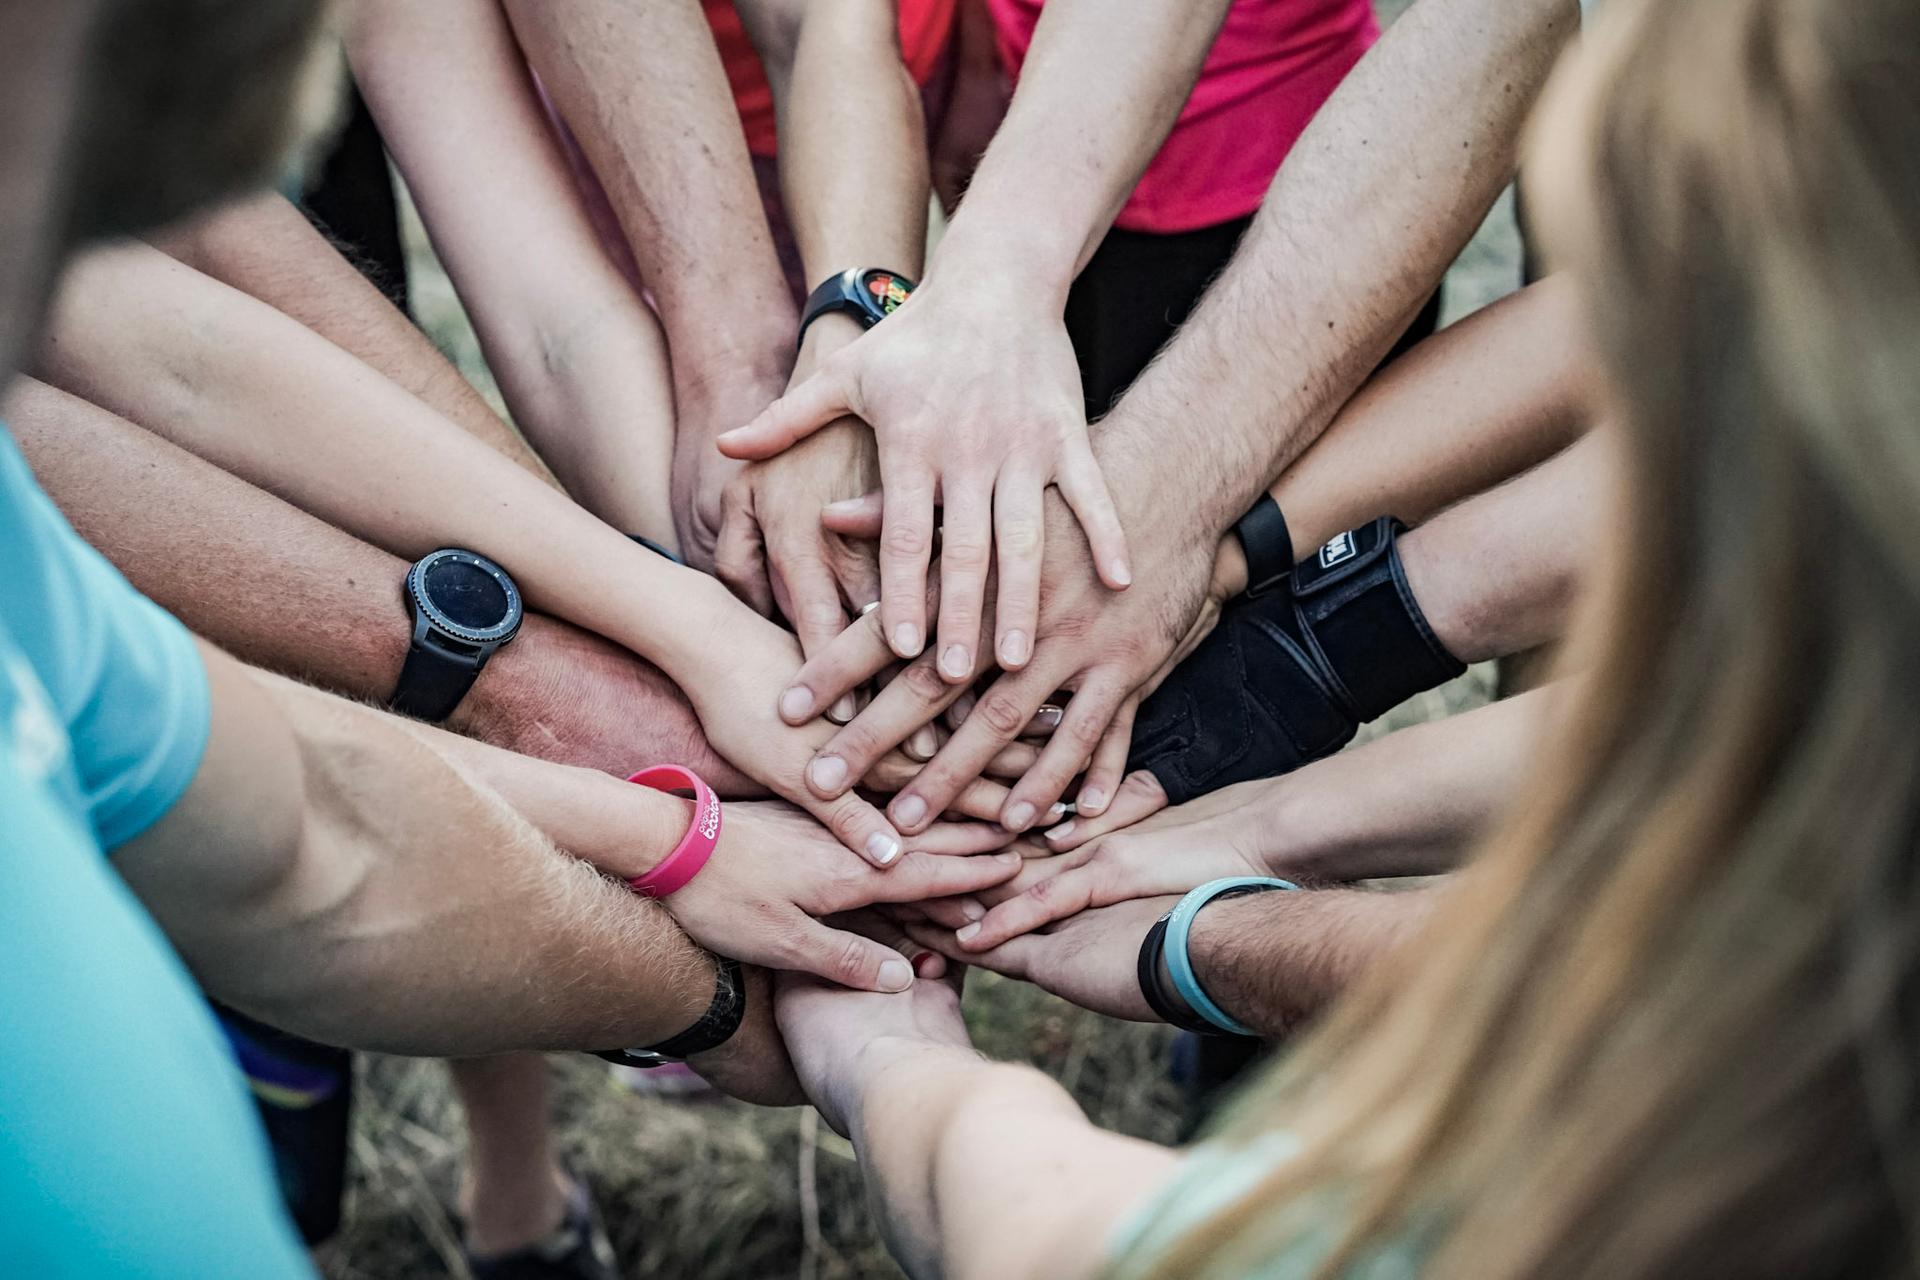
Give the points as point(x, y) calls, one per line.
point(514, 1192)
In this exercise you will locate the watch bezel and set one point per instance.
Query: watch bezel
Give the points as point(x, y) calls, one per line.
point(424, 607)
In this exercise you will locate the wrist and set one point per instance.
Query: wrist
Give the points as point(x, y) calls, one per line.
point(828, 334)
point(1017, 259)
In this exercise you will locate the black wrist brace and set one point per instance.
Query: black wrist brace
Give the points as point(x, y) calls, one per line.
point(1289, 676)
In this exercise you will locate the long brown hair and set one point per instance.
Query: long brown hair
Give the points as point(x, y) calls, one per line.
point(1666, 1025)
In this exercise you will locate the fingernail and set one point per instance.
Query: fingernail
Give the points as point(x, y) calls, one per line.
point(882, 848)
point(1048, 715)
point(955, 663)
point(1062, 831)
point(1121, 574)
point(908, 810)
point(967, 933)
point(842, 710)
point(1014, 648)
point(827, 772)
point(797, 703)
point(972, 910)
point(895, 975)
point(920, 958)
point(924, 743)
point(1019, 817)
point(1092, 800)
point(1008, 859)
point(962, 708)
point(1055, 809)
point(906, 640)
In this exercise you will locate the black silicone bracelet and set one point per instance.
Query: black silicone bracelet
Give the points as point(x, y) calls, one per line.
point(715, 1027)
point(1169, 1008)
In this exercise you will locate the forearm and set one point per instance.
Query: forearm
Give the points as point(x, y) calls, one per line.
point(1375, 199)
point(579, 356)
point(250, 390)
point(853, 149)
point(213, 550)
point(330, 874)
point(987, 1170)
point(1497, 574)
point(1101, 86)
point(266, 247)
point(1275, 960)
point(1408, 804)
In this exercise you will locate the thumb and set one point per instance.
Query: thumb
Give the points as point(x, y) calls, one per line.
point(794, 416)
point(855, 517)
point(848, 959)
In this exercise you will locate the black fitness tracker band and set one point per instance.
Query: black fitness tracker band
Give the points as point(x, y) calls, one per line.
point(716, 1026)
point(1268, 545)
point(869, 294)
point(655, 547)
point(1166, 1006)
point(464, 609)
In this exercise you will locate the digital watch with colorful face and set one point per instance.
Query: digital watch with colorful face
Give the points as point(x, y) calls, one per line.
point(465, 608)
point(869, 294)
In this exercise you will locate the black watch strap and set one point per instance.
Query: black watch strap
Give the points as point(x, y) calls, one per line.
point(433, 680)
point(1166, 1006)
point(716, 1026)
point(1268, 544)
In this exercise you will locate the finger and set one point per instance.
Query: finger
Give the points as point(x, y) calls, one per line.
point(953, 913)
point(921, 876)
point(966, 549)
point(946, 839)
point(910, 700)
point(794, 416)
point(739, 556)
point(862, 517)
point(857, 824)
point(906, 544)
point(1140, 796)
point(848, 661)
point(813, 599)
point(1054, 898)
point(887, 930)
point(1085, 490)
point(1044, 721)
point(1109, 763)
point(1013, 958)
point(1019, 516)
point(1013, 761)
point(997, 718)
point(856, 566)
point(847, 958)
point(982, 799)
point(1065, 755)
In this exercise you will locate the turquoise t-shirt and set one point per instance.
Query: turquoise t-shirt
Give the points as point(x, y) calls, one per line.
point(128, 1143)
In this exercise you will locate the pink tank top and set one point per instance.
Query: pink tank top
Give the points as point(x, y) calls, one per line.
point(1274, 63)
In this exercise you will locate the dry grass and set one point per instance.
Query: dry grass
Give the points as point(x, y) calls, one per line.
point(717, 1190)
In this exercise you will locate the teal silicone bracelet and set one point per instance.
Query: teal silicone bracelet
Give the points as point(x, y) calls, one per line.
point(1180, 965)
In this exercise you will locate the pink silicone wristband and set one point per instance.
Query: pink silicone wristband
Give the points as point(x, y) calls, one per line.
point(691, 854)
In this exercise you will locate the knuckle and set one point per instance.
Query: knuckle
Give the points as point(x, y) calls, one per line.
point(849, 964)
point(1083, 733)
point(1002, 713)
point(1020, 538)
point(967, 554)
point(902, 540)
point(923, 682)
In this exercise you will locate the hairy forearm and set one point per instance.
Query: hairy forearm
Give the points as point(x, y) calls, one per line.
point(330, 874)
point(267, 248)
point(1101, 86)
point(1408, 804)
point(579, 356)
point(1275, 960)
point(988, 1170)
point(1374, 201)
point(642, 88)
point(853, 150)
point(234, 381)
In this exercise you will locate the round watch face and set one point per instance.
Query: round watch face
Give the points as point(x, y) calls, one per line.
point(885, 291)
point(466, 595)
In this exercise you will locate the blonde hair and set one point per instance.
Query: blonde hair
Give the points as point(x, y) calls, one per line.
point(1666, 1024)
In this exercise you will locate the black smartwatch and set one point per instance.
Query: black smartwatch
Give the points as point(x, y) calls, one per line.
point(464, 608)
point(870, 294)
point(716, 1026)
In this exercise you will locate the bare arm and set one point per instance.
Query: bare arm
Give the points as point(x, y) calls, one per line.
point(261, 396)
point(283, 590)
point(265, 247)
point(580, 359)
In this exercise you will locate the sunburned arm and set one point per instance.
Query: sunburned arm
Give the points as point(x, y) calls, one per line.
point(991, 1171)
point(579, 357)
point(265, 247)
point(1376, 198)
point(283, 590)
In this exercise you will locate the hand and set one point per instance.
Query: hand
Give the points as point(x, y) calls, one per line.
point(775, 872)
point(1222, 834)
point(842, 1040)
point(704, 406)
point(772, 550)
point(974, 398)
point(1107, 649)
point(1091, 959)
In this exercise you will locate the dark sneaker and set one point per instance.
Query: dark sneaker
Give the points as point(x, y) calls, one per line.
point(577, 1249)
